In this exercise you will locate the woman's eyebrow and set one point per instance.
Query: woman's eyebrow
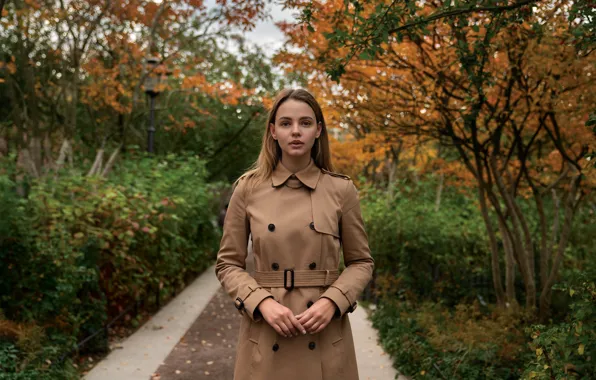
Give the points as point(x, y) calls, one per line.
point(301, 118)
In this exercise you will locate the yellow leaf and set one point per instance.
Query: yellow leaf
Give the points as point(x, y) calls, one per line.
point(571, 292)
point(422, 372)
point(539, 352)
point(546, 366)
point(580, 349)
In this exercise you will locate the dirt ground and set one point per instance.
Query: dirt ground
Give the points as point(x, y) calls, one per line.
point(207, 350)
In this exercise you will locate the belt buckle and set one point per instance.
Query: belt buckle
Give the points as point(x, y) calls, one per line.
point(286, 279)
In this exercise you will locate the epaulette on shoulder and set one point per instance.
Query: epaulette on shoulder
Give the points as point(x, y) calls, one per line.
point(339, 175)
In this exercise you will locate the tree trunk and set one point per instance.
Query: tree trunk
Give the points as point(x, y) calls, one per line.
point(571, 203)
point(509, 267)
point(494, 249)
point(517, 233)
point(544, 253)
point(439, 192)
point(391, 180)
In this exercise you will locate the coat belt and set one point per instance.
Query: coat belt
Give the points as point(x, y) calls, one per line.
point(299, 278)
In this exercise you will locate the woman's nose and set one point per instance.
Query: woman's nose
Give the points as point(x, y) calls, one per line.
point(295, 129)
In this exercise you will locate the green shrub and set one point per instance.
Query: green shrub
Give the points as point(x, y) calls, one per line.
point(421, 253)
point(78, 250)
point(434, 293)
point(568, 349)
point(431, 341)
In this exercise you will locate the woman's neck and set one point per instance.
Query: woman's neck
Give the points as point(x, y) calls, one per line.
point(295, 164)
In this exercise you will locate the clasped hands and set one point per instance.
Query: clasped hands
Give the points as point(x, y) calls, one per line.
point(313, 320)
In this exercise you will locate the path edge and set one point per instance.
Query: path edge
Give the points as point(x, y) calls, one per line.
point(144, 351)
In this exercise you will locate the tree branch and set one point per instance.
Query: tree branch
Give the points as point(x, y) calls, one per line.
point(461, 11)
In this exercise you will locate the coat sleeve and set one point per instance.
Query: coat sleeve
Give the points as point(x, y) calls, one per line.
point(359, 263)
point(230, 267)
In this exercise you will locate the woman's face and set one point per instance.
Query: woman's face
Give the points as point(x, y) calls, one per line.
point(295, 128)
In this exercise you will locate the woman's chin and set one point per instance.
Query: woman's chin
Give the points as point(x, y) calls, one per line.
point(297, 152)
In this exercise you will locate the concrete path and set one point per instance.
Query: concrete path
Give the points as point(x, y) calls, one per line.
point(146, 349)
point(373, 362)
point(194, 336)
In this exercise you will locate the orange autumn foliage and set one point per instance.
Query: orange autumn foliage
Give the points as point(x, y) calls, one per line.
point(105, 46)
point(404, 92)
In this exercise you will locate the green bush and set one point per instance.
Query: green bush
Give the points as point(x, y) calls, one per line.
point(431, 341)
point(423, 253)
point(567, 349)
point(78, 250)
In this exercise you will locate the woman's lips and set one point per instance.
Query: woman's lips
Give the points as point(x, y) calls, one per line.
point(296, 144)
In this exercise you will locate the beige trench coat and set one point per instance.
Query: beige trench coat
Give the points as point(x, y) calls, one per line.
point(298, 224)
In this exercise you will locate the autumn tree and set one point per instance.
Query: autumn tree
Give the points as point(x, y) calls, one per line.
point(502, 84)
point(73, 70)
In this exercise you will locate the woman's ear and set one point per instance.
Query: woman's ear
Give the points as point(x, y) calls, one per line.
point(272, 131)
point(319, 129)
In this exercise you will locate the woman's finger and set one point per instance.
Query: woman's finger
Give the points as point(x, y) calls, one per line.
point(297, 325)
point(291, 327)
point(278, 330)
point(320, 327)
point(308, 325)
point(284, 328)
point(314, 328)
point(304, 317)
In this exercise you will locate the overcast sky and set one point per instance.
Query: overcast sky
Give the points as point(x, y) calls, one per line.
point(266, 34)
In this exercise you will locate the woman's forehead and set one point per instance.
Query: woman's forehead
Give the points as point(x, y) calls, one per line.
point(294, 109)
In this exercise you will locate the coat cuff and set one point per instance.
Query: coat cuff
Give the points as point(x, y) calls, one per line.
point(251, 302)
point(343, 303)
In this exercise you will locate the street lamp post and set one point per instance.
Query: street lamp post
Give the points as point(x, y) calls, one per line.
point(152, 82)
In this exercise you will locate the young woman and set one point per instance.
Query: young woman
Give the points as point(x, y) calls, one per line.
point(300, 214)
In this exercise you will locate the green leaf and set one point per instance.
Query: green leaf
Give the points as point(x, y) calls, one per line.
point(365, 55)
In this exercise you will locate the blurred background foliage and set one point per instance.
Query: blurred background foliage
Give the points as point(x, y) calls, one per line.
point(468, 127)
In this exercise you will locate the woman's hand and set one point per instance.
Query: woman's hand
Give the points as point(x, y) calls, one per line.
point(318, 316)
point(280, 318)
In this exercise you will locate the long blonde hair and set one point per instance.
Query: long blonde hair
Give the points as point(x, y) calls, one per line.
point(270, 154)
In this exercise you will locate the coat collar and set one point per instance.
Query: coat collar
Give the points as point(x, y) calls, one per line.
point(309, 176)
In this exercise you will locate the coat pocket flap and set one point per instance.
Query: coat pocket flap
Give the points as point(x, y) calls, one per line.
point(326, 222)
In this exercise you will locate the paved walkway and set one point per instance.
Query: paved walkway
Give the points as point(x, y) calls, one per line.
point(195, 335)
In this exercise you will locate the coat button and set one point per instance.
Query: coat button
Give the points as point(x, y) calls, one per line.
point(311, 345)
point(275, 266)
point(309, 304)
point(275, 347)
point(312, 226)
point(312, 265)
point(271, 227)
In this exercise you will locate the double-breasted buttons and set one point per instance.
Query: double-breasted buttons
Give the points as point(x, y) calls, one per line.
point(271, 227)
point(275, 347)
point(275, 266)
point(309, 304)
point(312, 345)
point(312, 265)
point(312, 225)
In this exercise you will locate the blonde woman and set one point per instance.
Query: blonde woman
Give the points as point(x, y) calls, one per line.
point(301, 216)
